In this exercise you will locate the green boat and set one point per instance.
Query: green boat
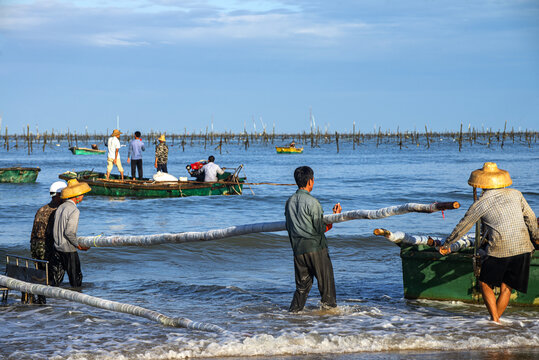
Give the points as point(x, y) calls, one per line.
point(428, 275)
point(228, 184)
point(85, 151)
point(18, 175)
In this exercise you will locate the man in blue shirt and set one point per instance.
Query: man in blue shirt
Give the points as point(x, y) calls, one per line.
point(306, 228)
point(134, 156)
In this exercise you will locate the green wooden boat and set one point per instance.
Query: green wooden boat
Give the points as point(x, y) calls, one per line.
point(228, 184)
point(85, 151)
point(18, 175)
point(428, 275)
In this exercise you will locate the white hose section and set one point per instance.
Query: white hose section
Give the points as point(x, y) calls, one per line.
point(467, 241)
point(216, 234)
point(59, 293)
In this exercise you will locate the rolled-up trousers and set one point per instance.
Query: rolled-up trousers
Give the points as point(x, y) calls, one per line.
point(313, 265)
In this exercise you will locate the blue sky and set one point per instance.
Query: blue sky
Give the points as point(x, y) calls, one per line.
point(171, 65)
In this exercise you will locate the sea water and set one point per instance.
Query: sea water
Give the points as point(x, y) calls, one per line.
point(245, 284)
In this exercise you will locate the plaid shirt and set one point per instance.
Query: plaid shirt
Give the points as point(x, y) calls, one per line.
point(507, 223)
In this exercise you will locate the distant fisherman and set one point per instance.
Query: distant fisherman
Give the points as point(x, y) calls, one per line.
point(42, 240)
point(306, 228)
point(161, 155)
point(66, 222)
point(113, 155)
point(211, 170)
point(508, 225)
point(134, 155)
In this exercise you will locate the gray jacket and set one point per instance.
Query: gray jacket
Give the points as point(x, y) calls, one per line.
point(66, 222)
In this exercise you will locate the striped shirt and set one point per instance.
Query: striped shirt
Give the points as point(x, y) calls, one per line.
point(507, 221)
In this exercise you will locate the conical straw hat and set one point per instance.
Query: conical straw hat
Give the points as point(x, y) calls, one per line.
point(490, 177)
point(74, 189)
point(162, 138)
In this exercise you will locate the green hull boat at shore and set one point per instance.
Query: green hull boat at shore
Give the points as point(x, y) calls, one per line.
point(428, 275)
point(146, 188)
point(85, 151)
point(19, 175)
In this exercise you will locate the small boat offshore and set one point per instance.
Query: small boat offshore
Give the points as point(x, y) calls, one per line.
point(288, 150)
point(19, 174)
point(85, 151)
point(228, 184)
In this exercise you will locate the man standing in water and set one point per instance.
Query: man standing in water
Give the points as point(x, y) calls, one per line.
point(508, 222)
point(306, 228)
point(41, 240)
point(66, 223)
point(113, 155)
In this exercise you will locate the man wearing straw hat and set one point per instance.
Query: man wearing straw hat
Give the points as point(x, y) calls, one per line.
point(113, 155)
point(508, 225)
point(161, 155)
point(66, 223)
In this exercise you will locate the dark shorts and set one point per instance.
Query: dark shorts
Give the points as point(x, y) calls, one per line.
point(514, 271)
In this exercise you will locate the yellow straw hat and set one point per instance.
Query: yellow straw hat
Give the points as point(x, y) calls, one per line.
point(490, 177)
point(116, 132)
point(74, 189)
point(162, 138)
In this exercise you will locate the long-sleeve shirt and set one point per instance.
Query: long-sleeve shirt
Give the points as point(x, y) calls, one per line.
point(136, 147)
point(305, 223)
point(507, 221)
point(66, 222)
point(211, 170)
point(161, 153)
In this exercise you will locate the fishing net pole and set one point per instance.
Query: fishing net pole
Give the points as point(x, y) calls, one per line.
point(216, 234)
point(402, 238)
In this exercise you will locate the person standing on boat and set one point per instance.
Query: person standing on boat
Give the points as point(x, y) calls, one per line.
point(306, 228)
point(66, 223)
point(211, 170)
point(113, 156)
point(42, 240)
point(134, 155)
point(161, 155)
point(508, 225)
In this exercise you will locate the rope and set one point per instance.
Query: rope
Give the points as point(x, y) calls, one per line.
point(59, 293)
point(232, 231)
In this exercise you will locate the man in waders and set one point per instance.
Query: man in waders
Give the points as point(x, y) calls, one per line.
point(66, 223)
point(306, 228)
point(41, 240)
point(508, 225)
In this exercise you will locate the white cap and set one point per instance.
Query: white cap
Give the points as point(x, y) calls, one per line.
point(56, 187)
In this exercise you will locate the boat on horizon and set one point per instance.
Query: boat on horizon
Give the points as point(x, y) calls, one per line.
point(86, 151)
point(288, 150)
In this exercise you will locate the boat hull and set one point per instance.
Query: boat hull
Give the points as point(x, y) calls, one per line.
point(85, 151)
point(18, 175)
point(428, 275)
point(288, 150)
point(149, 189)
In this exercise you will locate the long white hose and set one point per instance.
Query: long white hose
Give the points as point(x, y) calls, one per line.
point(216, 234)
point(59, 293)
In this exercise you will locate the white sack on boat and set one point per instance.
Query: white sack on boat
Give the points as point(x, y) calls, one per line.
point(216, 234)
point(163, 176)
point(398, 237)
point(59, 293)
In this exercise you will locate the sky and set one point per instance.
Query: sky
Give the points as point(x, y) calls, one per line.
point(184, 65)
